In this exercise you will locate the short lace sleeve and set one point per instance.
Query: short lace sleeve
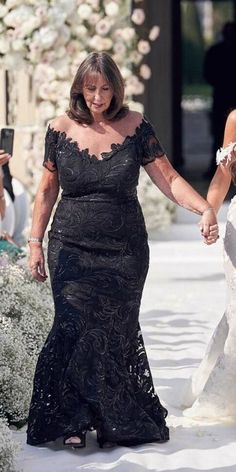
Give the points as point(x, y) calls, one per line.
point(50, 152)
point(150, 146)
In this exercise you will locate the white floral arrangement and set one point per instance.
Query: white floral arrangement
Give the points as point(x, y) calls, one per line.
point(52, 37)
point(26, 315)
point(8, 448)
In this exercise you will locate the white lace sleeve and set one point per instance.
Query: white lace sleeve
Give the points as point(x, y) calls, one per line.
point(225, 152)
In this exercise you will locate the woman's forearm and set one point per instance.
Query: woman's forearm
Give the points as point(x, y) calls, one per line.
point(168, 180)
point(44, 202)
point(218, 188)
point(186, 196)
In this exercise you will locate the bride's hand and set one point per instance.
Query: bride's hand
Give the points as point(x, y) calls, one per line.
point(213, 235)
point(209, 227)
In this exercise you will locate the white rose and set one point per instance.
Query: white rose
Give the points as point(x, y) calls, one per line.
point(18, 45)
point(154, 33)
point(127, 34)
point(79, 58)
point(26, 28)
point(100, 44)
point(4, 46)
point(144, 46)
point(84, 11)
point(48, 56)
point(135, 57)
point(134, 86)
point(80, 31)
point(145, 71)
point(20, 15)
point(112, 9)
point(138, 16)
point(61, 67)
point(119, 47)
point(73, 47)
point(94, 18)
point(44, 72)
point(46, 110)
point(42, 11)
point(63, 37)
point(63, 89)
point(46, 37)
point(56, 16)
point(67, 6)
point(3, 10)
point(103, 27)
point(125, 72)
point(60, 52)
point(48, 91)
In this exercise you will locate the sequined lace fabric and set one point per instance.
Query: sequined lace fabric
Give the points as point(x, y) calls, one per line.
point(93, 372)
point(211, 392)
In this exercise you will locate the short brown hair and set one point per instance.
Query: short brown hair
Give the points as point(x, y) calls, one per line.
point(97, 63)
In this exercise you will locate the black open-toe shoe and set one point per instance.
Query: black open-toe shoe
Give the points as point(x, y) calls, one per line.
point(104, 443)
point(76, 445)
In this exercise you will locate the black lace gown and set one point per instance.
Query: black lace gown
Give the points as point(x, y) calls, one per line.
point(93, 372)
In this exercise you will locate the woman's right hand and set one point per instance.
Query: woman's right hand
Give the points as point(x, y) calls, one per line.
point(4, 157)
point(37, 262)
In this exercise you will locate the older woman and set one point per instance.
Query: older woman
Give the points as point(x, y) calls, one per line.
point(93, 371)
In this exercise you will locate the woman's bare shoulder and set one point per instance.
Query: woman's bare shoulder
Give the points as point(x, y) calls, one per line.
point(231, 119)
point(134, 117)
point(60, 123)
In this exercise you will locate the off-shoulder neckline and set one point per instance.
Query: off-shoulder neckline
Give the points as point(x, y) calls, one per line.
point(114, 147)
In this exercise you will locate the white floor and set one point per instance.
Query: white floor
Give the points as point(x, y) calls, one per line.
point(183, 299)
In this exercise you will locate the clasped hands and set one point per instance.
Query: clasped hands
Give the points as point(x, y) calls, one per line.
point(209, 227)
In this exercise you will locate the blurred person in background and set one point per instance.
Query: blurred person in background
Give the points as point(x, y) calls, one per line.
point(220, 73)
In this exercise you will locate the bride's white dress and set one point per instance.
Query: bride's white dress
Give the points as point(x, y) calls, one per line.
point(211, 392)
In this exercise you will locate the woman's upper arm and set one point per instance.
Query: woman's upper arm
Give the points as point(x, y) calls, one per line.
point(49, 182)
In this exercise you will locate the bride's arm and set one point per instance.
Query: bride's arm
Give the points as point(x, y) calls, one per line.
point(220, 183)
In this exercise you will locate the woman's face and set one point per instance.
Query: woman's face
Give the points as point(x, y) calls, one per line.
point(97, 93)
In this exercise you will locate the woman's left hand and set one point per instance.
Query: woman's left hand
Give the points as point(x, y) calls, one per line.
point(209, 227)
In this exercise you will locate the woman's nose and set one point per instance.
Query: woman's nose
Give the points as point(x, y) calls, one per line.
point(97, 95)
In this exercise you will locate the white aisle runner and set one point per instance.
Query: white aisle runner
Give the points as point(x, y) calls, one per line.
point(183, 300)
